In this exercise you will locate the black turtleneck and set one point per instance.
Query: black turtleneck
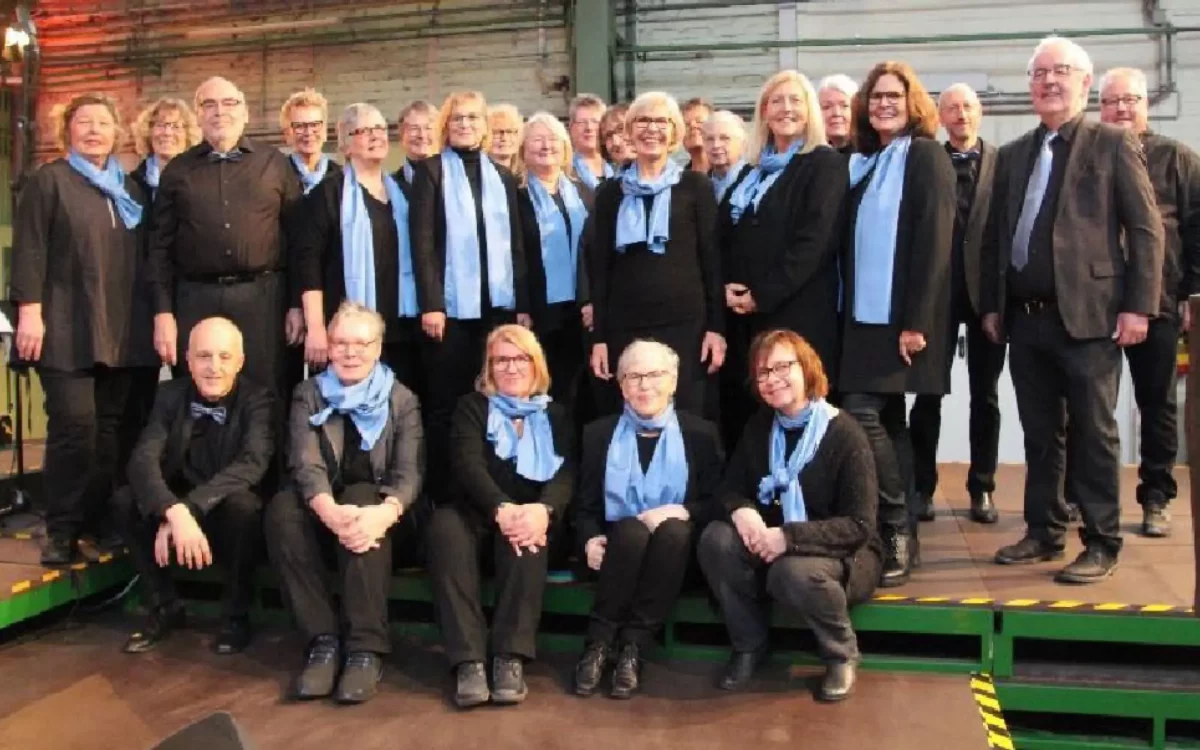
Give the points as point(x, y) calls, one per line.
point(203, 451)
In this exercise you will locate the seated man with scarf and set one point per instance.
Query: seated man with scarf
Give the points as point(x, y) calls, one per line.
point(356, 462)
point(648, 477)
point(801, 493)
point(192, 481)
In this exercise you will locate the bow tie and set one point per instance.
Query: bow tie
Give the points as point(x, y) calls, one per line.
point(233, 155)
point(217, 413)
point(964, 155)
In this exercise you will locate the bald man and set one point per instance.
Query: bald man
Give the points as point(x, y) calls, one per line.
point(193, 478)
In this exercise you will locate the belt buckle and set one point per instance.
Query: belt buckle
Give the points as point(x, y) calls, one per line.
point(1034, 306)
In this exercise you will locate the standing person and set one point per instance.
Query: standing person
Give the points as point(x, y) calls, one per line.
point(696, 112)
point(554, 214)
point(161, 132)
point(724, 146)
point(1072, 272)
point(896, 268)
point(504, 121)
point(83, 320)
point(469, 259)
point(418, 137)
point(585, 115)
point(655, 266)
point(1175, 175)
point(355, 245)
point(217, 247)
point(615, 147)
point(974, 166)
point(836, 94)
point(304, 120)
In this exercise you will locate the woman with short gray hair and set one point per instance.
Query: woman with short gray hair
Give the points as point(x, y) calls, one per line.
point(835, 93)
point(648, 479)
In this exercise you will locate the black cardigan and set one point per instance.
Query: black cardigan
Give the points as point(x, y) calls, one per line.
point(705, 457)
point(639, 288)
point(427, 229)
point(841, 497)
point(483, 481)
point(547, 317)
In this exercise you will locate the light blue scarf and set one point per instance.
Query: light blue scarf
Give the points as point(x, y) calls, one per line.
point(408, 171)
point(721, 184)
point(875, 229)
point(368, 403)
point(751, 190)
point(534, 449)
point(111, 182)
point(463, 295)
point(560, 253)
point(310, 179)
point(358, 244)
point(153, 173)
point(632, 226)
point(584, 172)
point(784, 475)
point(628, 491)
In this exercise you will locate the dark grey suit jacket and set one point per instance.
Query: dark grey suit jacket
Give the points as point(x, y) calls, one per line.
point(315, 456)
point(1108, 238)
point(977, 222)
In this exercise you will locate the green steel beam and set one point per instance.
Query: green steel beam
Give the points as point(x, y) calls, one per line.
point(1049, 741)
point(1092, 701)
point(71, 586)
point(593, 41)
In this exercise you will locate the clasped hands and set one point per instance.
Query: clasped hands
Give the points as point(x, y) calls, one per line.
point(358, 528)
point(594, 549)
point(768, 544)
point(524, 526)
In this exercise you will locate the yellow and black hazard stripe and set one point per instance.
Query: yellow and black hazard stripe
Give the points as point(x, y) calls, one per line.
point(989, 708)
point(1038, 605)
point(50, 576)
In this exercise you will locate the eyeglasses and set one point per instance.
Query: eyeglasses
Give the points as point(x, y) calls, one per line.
point(1061, 70)
point(643, 378)
point(779, 370)
point(168, 127)
point(303, 127)
point(506, 132)
point(891, 97)
point(212, 105)
point(370, 130)
point(1129, 100)
point(590, 121)
point(519, 362)
point(470, 119)
point(644, 123)
point(344, 347)
point(544, 140)
point(418, 130)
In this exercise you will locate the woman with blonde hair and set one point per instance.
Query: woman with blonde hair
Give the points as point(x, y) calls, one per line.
point(304, 120)
point(162, 131)
point(783, 229)
point(504, 120)
point(512, 459)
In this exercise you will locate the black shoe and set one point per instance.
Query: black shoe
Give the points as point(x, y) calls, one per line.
point(1028, 550)
point(360, 678)
point(590, 669)
point(627, 674)
point(897, 561)
point(233, 637)
point(838, 682)
point(1156, 521)
point(1093, 565)
point(740, 669)
point(159, 624)
point(472, 686)
point(320, 669)
point(925, 511)
point(59, 552)
point(983, 510)
point(508, 680)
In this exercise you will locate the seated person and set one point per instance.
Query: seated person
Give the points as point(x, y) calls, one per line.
point(356, 459)
point(647, 478)
point(192, 479)
point(512, 458)
point(801, 493)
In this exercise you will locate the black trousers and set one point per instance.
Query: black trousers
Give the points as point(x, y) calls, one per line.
point(1152, 366)
point(640, 579)
point(813, 587)
point(452, 365)
point(302, 550)
point(737, 401)
point(93, 420)
point(685, 339)
point(564, 349)
point(985, 362)
point(1066, 396)
point(882, 417)
point(234, 531)
point(456, 542)
point(404, 357)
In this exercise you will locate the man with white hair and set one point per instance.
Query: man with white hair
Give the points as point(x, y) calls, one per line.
point(1072, 273)
point(724, 139)
point(193, 481)
point(835, 94)
point(1175, 174)
point(974, 164)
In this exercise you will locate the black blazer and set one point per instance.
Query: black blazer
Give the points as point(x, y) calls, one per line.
point(723, 208)
point(705, 457)
point(841, 497)
point(245, 451)
point(870, 360)
point(786, 252)
point(977, 223)
point(1108, 236)
point(545, 317)
point(1175, 174)
point(427, 228)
